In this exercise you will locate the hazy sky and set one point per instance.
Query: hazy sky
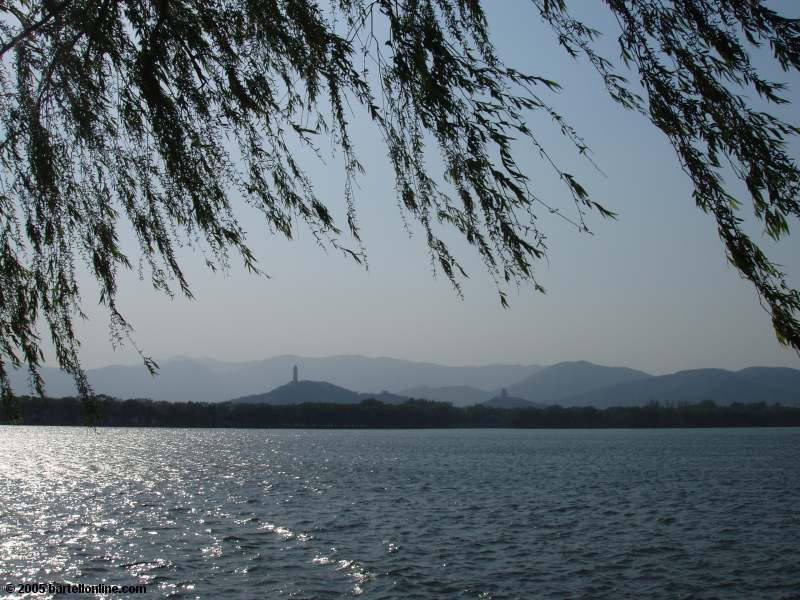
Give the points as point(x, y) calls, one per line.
point(651, 290)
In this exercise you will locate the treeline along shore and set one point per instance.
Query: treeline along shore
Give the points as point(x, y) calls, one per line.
point(112, 412)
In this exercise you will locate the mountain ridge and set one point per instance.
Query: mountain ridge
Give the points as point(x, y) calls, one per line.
point(562, 380)
point(752, 384)
point(569, 383)
point(209, 380)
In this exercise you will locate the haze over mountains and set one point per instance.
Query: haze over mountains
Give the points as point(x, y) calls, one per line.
point(559, 383)
point(208, 380)
point(348, 379)
point(756, 384)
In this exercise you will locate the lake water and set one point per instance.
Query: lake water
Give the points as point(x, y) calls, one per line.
point(704, 513)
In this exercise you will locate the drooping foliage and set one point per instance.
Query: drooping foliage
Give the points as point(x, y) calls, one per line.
point(158, 115)
point(693, 61)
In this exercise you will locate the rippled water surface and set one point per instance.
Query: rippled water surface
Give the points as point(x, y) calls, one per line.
point(405, 514)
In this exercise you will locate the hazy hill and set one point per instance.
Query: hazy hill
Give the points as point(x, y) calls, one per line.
point(756, 384)
point(457, 395)
point(553, 385)
point(779, 380)
point(178, 380)
point(208, 380)
point(510, 402)
point(315, 392)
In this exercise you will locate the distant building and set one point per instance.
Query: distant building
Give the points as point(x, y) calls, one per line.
point(503, 394)
point(294, 374)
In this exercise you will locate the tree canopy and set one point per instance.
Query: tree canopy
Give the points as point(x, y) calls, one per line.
point(372, 413)
point(156, 114)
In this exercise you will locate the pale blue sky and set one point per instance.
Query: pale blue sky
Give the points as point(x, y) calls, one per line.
point(651, 290)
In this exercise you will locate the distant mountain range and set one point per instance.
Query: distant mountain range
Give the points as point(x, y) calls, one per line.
point(756, 384)
point(559, 383)
point(548, 385)
point(346, 379)
point(208, 380)
point(585, 384)
point(578, 384)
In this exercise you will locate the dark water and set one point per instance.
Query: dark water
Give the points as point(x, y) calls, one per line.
point(405, 514)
